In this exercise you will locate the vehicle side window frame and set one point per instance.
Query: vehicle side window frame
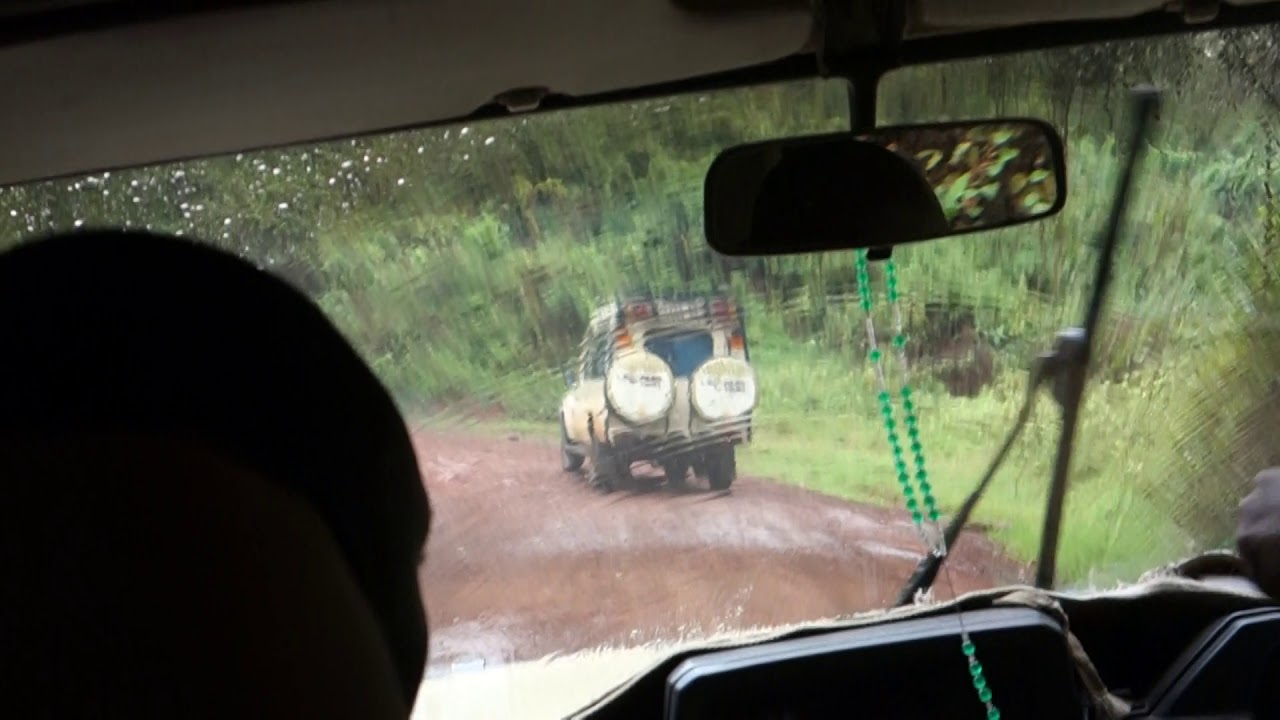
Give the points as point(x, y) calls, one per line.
point(584, 359)
point(594, 365)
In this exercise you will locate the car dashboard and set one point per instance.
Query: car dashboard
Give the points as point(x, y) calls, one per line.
point(1174, 649)
point(907, 669)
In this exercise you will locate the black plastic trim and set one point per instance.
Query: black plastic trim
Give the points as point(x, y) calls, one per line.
point(88, 17)
point(1220, 672)
point(913, 667)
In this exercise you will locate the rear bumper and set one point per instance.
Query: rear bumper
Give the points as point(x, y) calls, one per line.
point(659, 441)
point(681, 433)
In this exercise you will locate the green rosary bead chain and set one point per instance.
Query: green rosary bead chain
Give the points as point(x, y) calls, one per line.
point(979, 677)
point(912, 422)
point(908, 406)
point(926, 506)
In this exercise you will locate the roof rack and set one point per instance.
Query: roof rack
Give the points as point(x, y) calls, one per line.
point(644, 308)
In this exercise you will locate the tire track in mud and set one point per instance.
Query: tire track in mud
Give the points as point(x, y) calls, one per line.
point(525, 561)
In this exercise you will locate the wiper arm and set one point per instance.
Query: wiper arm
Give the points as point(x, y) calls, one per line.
point(1071, 388)
point(1066, 366)
point(926, 572)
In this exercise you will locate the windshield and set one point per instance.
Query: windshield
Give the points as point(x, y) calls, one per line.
point(587, 503)
point(683, 351)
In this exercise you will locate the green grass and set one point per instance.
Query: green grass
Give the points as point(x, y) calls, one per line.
point(833, 442)
point(1110, 531)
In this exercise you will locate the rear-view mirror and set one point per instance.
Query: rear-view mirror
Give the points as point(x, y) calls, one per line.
point(885, 187)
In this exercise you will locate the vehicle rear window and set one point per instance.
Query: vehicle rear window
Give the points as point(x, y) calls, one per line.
point(684, 352)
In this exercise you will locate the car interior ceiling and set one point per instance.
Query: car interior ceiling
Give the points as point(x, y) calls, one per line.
point(265, 71)
point(108, 84)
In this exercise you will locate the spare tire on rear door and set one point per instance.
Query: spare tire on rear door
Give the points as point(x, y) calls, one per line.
point(724, 388)
point(639, 387)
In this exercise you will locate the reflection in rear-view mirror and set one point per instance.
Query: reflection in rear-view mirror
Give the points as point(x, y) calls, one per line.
point(882, 188)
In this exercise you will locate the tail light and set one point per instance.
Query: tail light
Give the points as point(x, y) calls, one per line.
point(622, 339)
point(737, 342)
point(637, 311)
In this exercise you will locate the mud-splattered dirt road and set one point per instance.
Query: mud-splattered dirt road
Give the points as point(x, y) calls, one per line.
point(525, 561)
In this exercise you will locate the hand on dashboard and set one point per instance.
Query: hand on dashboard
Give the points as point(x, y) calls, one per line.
point(1258, 531)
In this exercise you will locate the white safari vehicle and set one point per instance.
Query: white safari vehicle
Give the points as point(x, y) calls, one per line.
point(667, 381)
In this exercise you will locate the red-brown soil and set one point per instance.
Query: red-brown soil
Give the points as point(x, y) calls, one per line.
point(526, 561)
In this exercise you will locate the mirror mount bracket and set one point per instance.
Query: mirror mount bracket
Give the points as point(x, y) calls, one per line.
point(858, 40)
point(844, 30)
point(877, 254)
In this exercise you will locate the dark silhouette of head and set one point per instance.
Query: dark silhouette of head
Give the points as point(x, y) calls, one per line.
point(211, 505)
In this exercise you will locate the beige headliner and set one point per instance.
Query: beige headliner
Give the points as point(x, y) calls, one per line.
point(219, 83)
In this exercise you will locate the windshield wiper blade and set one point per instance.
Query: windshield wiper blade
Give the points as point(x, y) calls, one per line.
point(1066, 366)
point(927, 569)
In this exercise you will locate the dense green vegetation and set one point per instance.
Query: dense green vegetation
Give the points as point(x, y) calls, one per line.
point(462, 260)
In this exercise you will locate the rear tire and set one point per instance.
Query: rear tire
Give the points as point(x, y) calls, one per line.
point(570, 461)
point(607, 470)
point(677, 472)
point(722, 468)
